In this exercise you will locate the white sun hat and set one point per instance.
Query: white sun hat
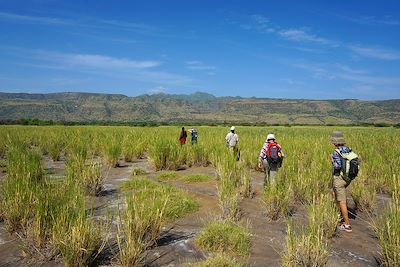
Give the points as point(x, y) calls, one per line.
point(232, 128)
point(270, 136)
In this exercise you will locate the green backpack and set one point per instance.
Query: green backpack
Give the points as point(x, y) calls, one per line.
point(351, 164)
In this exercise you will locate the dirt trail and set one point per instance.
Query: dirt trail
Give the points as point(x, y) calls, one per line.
point(176, 245)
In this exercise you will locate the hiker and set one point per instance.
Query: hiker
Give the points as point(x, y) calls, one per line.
point(270, 159)
point(194, 136)
point(183, 136)
point(232, 140)
point(339, 182)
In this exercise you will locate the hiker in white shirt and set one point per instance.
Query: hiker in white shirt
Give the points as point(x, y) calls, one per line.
point(232, 140)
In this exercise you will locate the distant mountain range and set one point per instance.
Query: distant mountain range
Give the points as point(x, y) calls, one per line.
point(196, 108)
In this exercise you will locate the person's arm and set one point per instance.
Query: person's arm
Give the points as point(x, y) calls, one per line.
point(280, 150)
point(227, 137)
point(336, 161)
point(263, 153)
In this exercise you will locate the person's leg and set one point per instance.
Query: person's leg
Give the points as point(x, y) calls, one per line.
point(343, 210)
point(339, 187)
point(266, 172)
point(272, 176)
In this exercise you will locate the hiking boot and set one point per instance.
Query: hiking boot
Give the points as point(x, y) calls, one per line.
point(345, 227)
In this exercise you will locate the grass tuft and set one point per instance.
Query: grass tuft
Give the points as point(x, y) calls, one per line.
point(225, 237)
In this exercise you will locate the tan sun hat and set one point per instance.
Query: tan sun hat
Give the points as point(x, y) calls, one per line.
point(337, 138)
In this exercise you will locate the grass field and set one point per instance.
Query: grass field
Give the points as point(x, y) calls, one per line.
point(47, 211)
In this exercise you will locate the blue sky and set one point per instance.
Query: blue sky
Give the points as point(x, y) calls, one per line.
point(275, 49)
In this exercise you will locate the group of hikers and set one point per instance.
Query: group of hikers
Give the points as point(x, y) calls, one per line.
point(183, 136)
point(344, 164)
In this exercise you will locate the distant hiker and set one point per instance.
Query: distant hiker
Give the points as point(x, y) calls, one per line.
point(270, 159)
point(183, 136)
point(232, 140)
point(345, 168)
point(194, 135)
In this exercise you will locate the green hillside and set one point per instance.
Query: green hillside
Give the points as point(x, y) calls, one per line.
point(197, 107)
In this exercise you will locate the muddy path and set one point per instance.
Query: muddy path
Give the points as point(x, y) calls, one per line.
point(176, 245)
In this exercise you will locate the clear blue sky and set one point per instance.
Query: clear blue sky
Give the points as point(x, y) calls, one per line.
point(277, 49)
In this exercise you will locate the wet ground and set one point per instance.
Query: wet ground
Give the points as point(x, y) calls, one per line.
point(176, 244)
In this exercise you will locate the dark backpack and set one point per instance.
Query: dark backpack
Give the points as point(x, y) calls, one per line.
point(274, 154)
point(351, 164)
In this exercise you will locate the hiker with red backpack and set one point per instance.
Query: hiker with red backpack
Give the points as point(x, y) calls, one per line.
point(270, 159)
point(345, 168)
point(182, 136)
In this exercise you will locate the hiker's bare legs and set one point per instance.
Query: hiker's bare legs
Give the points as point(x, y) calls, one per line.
point(343, 210)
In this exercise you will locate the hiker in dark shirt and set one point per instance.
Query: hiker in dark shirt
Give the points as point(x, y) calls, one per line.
point(183, 136)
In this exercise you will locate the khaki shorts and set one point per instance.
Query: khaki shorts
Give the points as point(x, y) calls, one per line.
point(339, 187)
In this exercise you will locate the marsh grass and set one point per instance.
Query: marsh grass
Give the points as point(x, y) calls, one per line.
point(138, 172)
point(21, 186)
point(168, 175)
point(166, 154)
point(323, 214)
point(34, 207)
point(178, 205)
point(364, 195)
point(128, 148)
point(75, 233)
point(219, 260)
point(93, 178)
point(112, 149)
point(139, 226)
point(305, 247)
point(87, 173)
point(225, 237)
point(387, 227)
point(277, 200)
point(308, 246)
point(56, 145)
point(229, 178)
point(196, 178)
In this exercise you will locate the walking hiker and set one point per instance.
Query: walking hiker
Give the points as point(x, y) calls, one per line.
point(270, 159)
point(232, 140)
point(194, 136)
point(343, 173)
point(183, 136)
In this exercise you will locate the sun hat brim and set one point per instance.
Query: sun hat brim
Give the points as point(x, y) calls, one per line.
point(338, 140)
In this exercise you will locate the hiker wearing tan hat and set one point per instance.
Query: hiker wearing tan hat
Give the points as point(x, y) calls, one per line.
point(341, 179)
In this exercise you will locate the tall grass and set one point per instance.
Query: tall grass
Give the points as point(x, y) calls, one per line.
point(305, 247)
point(364, 195)
point(112, 149)
point(219, 260)
point(228, 184)
point(165, 154)
point(277, 200)
point(323, 214)
point(139, 226)
point(21, 186)
point(225, 237)
point(387, 227)
point(178, 205)
point(308, 246)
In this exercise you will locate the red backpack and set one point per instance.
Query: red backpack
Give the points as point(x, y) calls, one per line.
point(273, 154)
